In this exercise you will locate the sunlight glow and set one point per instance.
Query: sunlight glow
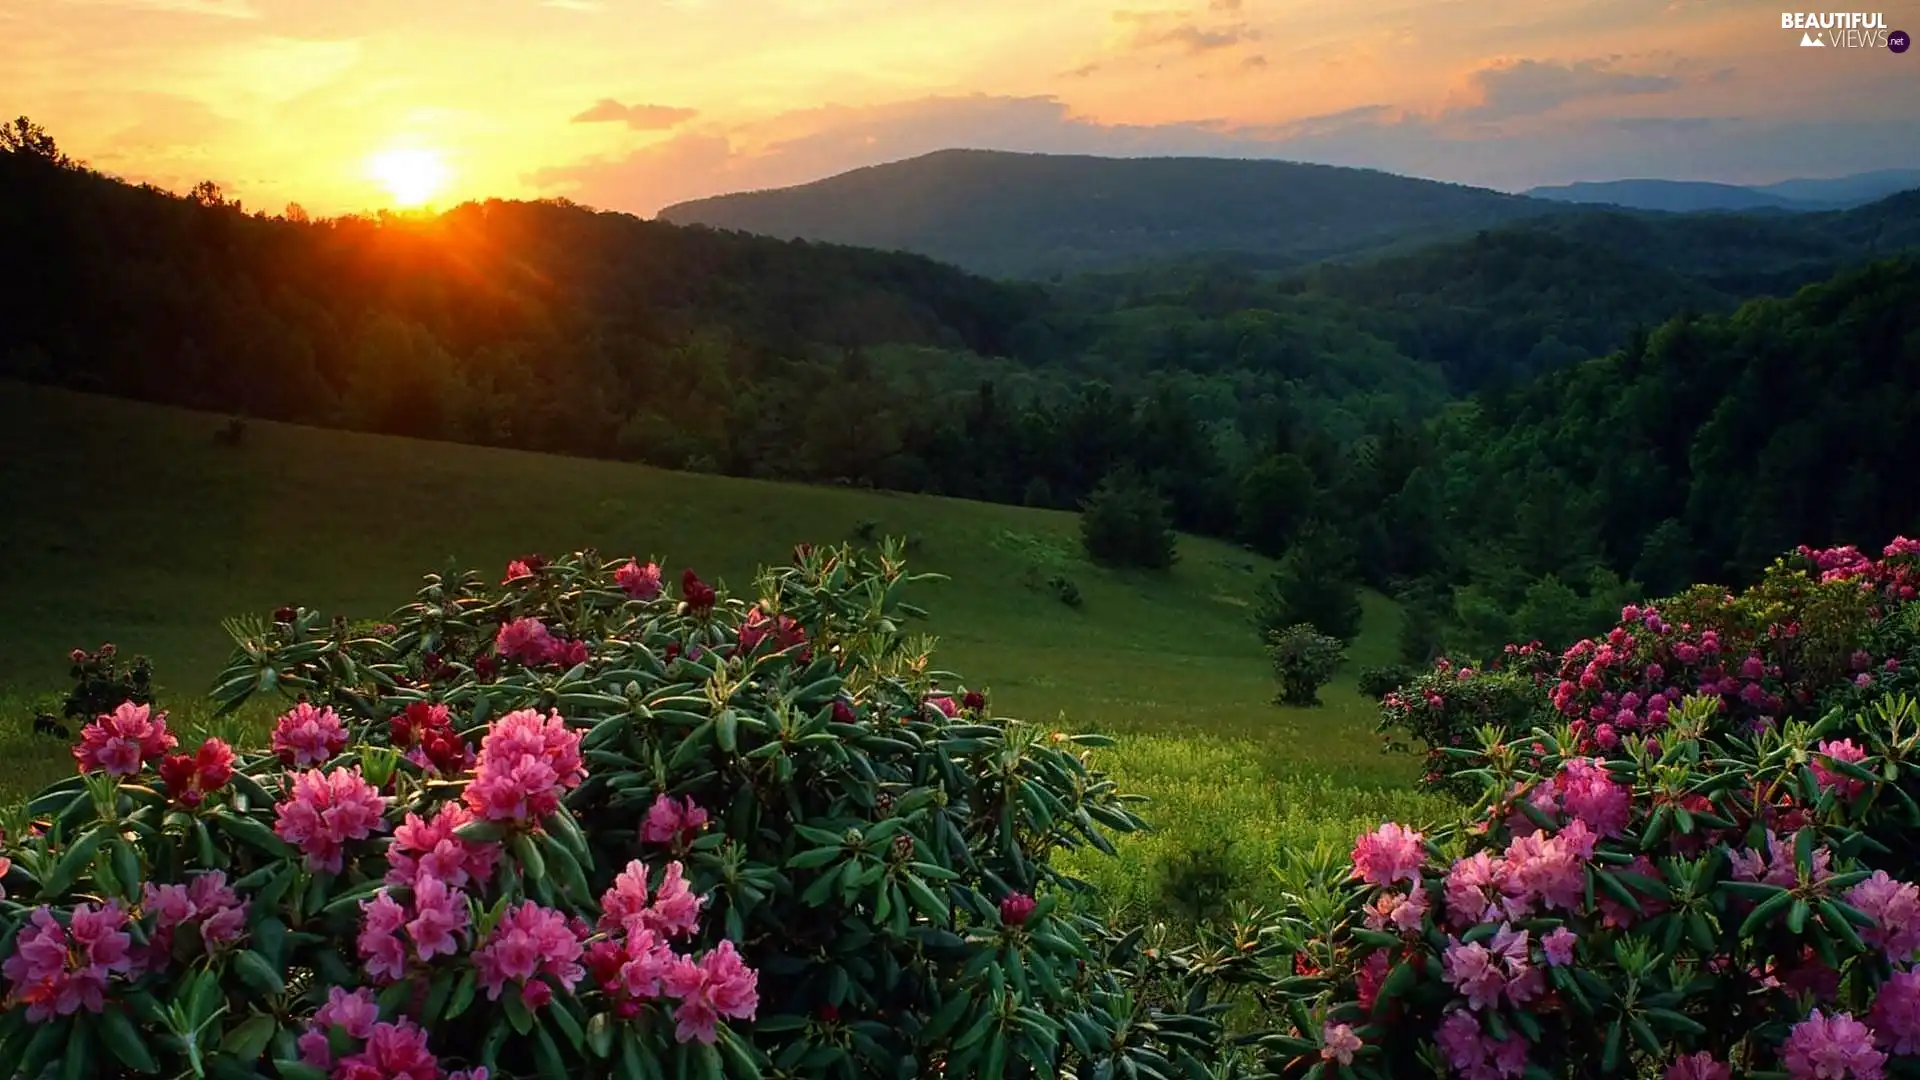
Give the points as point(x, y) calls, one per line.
point(412, 175)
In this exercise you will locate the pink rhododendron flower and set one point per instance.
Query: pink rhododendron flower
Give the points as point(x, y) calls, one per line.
point(355, 1014)
point(1372, 974)
point(673, 911)
point(207, 901)
point(1590, 794)
point(1388, 854)
point(394, 1051)
point(1016, 908)
point(306, 736)
point(784, 631)
point(1483, 972)
point(517, 569)
point(432, 924)
point(1896, 1013)
point(719, 985)
point(1476, 1055)
point(1338, 1043)
point(1777, 866)
point(639, 582)
point(1405, 912)
point(1699, 1066)
point(1832, 779)
point(1559, 946)
point(697, 595)
point(1836, 1047)
point(1476, 889)
point(529, 942)
point(326, 810)
point(423, 848)
point(526, 640)
point(59, 970)
point(121, 742)
point(1894, 907)
point(526, 763)
point(672, 820)
point(947, 706)
point(189, 780)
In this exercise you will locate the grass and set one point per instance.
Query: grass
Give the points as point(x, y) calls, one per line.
point(130, 523)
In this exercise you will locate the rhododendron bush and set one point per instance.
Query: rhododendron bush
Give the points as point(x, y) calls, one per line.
point(564, 822)
point(1719, 881)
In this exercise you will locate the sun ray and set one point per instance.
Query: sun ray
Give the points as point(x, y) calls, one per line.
point(412, 175)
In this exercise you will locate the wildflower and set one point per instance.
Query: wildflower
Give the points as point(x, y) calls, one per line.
point(1698, 1066)
point(526, 762)
point(59, 970)
point(1832, 779)
point(191, 779)
point(639, 582)
point(306, 736)
point(121, 742)
point(720, 984)
point(529, 942)
point(394, 1051)
point(326, 810)
point(698, 595)
point(1836, 1047)
point(1590, 794)
point(672, 820)
point(1338, 1043)
point(1388, 854)
point(428, 848)
point(1894, 907)
point(526, 640)
point(424, 732)
point(1405, 913)
point(354, 1014)
point(1016, 909)
point(1896, 1013)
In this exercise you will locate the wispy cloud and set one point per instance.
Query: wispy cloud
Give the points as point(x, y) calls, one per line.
point(637, 117)
point(1524, 87)
point(225, 9)
point(585, 7)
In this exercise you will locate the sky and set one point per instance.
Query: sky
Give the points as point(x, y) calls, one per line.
point(637, 104)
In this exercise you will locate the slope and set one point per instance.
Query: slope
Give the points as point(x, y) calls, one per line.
point(1676, 196)
point(131, 523)
point(1035, 215)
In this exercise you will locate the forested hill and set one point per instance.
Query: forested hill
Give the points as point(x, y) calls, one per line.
point(503, 315)
point(1039, 215)
point(1697, 453)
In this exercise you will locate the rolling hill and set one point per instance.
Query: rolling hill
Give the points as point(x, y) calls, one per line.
point(1037, 215)
point(1688, 196)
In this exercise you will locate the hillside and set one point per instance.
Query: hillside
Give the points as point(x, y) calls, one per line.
point(131, 523)
point(1687, 196)
point(1038, 215)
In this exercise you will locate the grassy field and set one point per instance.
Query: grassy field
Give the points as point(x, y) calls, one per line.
point(130, 523)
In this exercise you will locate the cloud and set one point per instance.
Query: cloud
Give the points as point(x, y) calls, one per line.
point(585, 7)
point(1153, 29)
point(637, 117)
point(1525, 87)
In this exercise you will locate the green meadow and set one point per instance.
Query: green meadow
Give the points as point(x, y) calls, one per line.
point(131, 523)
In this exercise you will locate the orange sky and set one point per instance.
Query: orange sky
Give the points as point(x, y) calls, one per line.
point(634, 104)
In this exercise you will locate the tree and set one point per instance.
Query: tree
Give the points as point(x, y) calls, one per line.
point(1304, 660)
point(1125, 523)
point(1314, 584)
point(23, 136)
point(1275, 499)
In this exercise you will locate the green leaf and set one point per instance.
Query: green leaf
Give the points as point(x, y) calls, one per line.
point(517, 1013)
point(73, 863)
point(299, 1070)
point(257, 973)
point(249, 1040)
point(125, 1042)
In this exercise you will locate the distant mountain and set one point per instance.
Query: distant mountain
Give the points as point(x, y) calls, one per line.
point(1037, 215)
point(1693, 196)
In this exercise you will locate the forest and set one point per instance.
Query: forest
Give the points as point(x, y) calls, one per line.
point(1510, 430)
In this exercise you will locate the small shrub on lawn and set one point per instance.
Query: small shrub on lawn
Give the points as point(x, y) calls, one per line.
point(1378, 682)
point(103, 681)
point(1304, 660)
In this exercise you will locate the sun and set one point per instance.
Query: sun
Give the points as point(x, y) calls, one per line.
point(412, 175)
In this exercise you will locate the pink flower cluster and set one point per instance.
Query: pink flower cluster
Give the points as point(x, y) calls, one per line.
point(636, 963)
point(1894, 907)
point(528, 641)
point(1776, 866)
point(1895, 575)
point(1896, 1013)
point(785, 631)
point(58, 970)
point(324, 811)
point(433, 923)
point(120, 743)
point(640, 582)
point(1836, 1047)
point(1699, 1066)
point(1832, 779)
point(1338, 1043)
point(526, 763)
point(305, 736)
point(189, 780)
point(1484, 973)
point(1388, 854)
point(672, 820)
point(531, 945)
point(388, 1050)
point(207, 902)
point(1476, 1054)
point(424, 732)
point(424, 848)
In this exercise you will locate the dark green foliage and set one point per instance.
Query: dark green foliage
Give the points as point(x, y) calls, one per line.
point(1314, 584)
point(103, 681)
point(1378, 682)
point(1065, 589)
point(1304, 660)
point(1125, 523)
point(1276, 498)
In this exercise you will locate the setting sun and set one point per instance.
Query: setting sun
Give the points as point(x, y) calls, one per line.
point(412, 175)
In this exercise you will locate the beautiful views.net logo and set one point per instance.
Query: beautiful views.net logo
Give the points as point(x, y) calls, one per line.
point(1844, 30)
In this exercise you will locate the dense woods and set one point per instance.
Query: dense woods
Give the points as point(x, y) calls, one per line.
point(1514, 430)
